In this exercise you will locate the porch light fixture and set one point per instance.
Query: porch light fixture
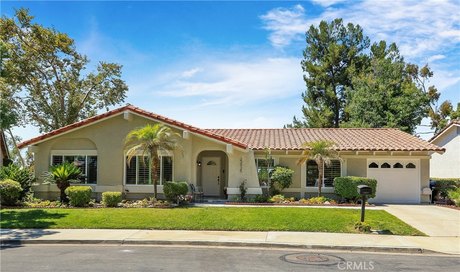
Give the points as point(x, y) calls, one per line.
point(199, 163)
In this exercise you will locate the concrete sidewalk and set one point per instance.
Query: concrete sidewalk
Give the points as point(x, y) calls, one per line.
point(313, 240)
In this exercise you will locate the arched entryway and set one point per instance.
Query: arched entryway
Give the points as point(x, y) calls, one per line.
point(212, 173)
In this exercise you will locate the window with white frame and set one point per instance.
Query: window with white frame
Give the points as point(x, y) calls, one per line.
point(86, 162)
point(329, 173)
point(137, 171)
point(264, 169)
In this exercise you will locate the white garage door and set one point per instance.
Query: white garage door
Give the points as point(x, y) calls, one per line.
point(398, 181)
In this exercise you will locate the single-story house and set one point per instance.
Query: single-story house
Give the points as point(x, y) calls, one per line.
point(219, 160)
point(447, 165)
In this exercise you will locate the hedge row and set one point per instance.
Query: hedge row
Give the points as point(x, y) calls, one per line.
point(347, 187)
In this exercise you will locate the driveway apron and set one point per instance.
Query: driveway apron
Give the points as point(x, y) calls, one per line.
point(432, 220)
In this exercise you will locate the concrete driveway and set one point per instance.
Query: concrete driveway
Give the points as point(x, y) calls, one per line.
point(429, 219)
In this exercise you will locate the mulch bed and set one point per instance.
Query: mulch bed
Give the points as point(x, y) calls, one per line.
point(449, 206)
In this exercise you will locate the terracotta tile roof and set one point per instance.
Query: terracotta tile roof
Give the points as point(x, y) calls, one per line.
point(451, 124)
point(134, 110)
point(352, 139)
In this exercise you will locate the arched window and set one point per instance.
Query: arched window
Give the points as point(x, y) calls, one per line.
point(385, 165)
point(410, 165)
point(373, 165)
point(398, 165)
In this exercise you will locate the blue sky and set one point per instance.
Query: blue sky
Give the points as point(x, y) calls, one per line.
point(237, 64)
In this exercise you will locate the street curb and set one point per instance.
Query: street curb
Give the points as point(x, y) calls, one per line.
point(18, 242)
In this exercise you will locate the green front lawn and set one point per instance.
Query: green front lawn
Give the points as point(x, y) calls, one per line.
point(205, 218)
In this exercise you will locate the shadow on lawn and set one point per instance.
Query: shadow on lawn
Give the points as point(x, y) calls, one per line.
point(18, 225)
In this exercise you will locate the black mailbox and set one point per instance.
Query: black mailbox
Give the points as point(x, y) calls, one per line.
point(364, 190)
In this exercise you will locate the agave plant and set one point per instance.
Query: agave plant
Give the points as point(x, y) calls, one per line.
point(62, 175)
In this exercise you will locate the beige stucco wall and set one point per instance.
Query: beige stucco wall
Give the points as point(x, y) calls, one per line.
point(447, 165)
point(292, 164)
point(356, 167)
point(107, 138)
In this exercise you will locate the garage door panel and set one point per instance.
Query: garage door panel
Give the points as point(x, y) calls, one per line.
point(396, 185)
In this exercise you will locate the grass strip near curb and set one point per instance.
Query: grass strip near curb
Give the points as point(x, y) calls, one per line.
point(205, 218)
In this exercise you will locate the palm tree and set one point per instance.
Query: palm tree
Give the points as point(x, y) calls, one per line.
point(150, 141)
point(62, 175)
point(322, 152)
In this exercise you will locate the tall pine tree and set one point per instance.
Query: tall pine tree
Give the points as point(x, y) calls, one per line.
point(332, 51)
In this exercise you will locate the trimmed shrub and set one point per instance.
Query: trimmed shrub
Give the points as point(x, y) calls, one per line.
point(454, 195)
point(111, 199)
point(282, 177)
point(79, 196)
point(243, 190)
point(173, 190)
point(261, 199)
point(22, 175)
point(346, 187)
point(443, 186)
point(10, 192)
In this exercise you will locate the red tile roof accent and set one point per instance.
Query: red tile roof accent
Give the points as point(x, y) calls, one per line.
point(346, 139)
point(134, 110)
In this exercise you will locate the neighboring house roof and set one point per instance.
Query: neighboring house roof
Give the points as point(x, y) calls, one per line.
point(454, 123)
point(132, 109)
point(346, 139)
point(352, 139)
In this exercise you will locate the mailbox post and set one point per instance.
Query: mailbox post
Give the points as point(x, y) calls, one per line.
point(364, 191)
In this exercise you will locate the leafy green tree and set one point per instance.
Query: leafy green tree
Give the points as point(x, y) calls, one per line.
point(10, 115)
point(332, 51)
point(386, 93)
point(150, 141)
point(48, 76)
point(62, 175)
point(322, 152)
point(442, 115)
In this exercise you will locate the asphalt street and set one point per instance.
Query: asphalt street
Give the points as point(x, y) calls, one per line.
point(181, 258)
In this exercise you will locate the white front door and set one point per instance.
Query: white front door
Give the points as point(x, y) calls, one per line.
point(211, 176)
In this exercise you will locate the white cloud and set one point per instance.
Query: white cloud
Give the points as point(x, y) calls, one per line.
point(191, 72)
point(435, 58)
point(327, 3)
point(241, 82)
point(285, 25)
